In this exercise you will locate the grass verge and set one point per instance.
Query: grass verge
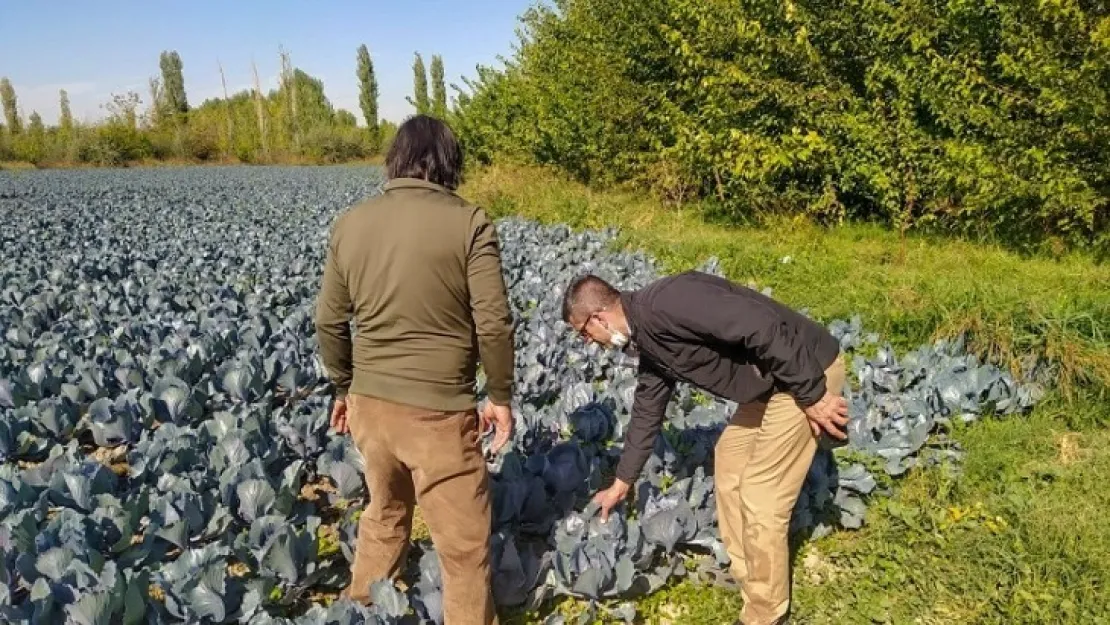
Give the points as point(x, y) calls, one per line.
point(1017, 536)
point(15, 166)
point(911, 291)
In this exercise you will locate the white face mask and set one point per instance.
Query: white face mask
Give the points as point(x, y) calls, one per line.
point(617, 339)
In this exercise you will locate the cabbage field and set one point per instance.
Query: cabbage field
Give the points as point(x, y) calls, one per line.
point(165, 453)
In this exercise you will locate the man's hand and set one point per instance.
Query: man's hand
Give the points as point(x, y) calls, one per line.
point(339, 416)
point(829, 414)
point(610, 497)
point(501, 419)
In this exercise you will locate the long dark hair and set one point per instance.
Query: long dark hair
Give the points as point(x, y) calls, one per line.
point(425, 148)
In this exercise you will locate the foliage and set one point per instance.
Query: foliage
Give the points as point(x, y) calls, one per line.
point(1013, 538)
point(166, 127)
point(388, 132)
point(173, 83)
point(113, 144)
point(10, 104)
point(123, 110)
point(65, 115)
point(985, 119)
point(909, 290)
point(31, 145)
point(171, 469)
point(368, 94)
point(35, 126)
point(6, 151)
point(419, 99)
point(439, 88)
point(1042, 477)
point(165, 414)
point(324, 144)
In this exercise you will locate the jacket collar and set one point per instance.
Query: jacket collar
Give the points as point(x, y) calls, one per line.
point(415, 183)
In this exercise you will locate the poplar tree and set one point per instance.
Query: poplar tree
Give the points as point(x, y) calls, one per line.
point(65, 120)
point(173, 83)
point(11, 107)
point(368, 93)
point(439, 89)
point(35, 126)
point(420, 87)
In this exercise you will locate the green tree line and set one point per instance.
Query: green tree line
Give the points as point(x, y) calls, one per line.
point(294, 122)
point(968, 116)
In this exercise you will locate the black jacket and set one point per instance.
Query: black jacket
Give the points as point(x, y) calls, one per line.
point(726, 339)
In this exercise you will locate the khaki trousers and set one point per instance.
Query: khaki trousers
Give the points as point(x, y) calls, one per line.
point(430, 458)
point(760, 464)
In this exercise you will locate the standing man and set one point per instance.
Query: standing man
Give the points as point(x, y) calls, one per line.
point(419, 270)
point(783, 370)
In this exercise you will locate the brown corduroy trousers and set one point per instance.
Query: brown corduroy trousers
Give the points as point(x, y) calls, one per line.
point(431, 458)
point(760, 464)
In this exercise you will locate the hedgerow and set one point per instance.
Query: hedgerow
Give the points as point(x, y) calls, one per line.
point(987, 119)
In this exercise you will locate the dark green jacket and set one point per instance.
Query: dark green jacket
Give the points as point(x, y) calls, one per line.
point(419, 270)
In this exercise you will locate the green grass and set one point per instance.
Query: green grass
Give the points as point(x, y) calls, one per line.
point(910, 291)
point(15, 166)
point(1018, 535)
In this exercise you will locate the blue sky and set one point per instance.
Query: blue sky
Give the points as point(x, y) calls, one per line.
point(96, 48)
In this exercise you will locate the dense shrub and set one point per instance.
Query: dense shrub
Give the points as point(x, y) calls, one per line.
point(201, 143)
point(6, 152)
point(335, 144)
point(113, 144)
point(969, 117)
point(29, 148)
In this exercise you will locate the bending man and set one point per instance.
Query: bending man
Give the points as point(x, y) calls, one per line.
point(783, 370)
point(419, 270)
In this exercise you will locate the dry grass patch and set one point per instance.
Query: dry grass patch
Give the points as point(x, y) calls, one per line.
point(115, 458)
point(238, 569)
point(318, 489)
point(1070, 451)
point(671, 614)
point(818, 569)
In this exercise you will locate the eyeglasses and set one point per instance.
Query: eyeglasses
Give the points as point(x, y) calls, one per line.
point(581, 330)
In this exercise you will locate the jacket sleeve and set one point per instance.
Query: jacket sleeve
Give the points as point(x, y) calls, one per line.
point(724, 316)
point(489, 303)
point(333, 314)
point(649, 408)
